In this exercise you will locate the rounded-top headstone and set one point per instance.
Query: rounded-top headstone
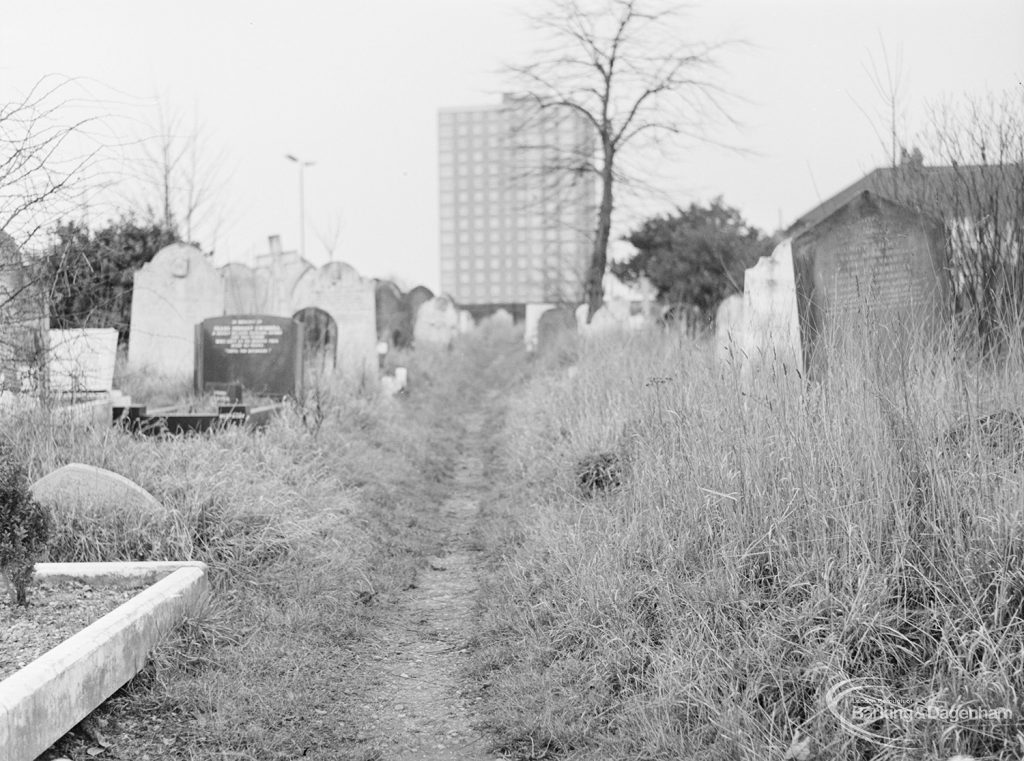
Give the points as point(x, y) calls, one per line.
point(78, 486)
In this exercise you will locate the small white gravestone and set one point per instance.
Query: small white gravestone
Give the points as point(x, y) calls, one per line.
point(85, 487)
point(771, 326)
point(82, 360)
point(437, 322)
point(530, 322)
point(466, 322)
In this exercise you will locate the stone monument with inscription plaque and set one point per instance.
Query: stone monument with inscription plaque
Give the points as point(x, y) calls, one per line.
point(261, 353)
point(873, 266)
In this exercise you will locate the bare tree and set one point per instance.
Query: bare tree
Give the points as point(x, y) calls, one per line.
point(46, 154)
point(183, 175)
point(618, 64)
point(49, 161)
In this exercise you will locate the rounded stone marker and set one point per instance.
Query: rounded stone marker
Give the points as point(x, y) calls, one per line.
point(86, 486)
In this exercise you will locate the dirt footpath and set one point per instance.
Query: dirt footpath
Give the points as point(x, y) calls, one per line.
point(414, 705)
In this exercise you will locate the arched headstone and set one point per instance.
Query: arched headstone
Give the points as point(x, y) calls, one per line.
point(172, 293)
point(340, 291)
point(437, 322)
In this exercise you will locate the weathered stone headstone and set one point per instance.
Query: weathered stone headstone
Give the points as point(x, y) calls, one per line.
point(82, 359)
point(394, 323)
point(414, 299)
point(873, 266)
point(499, 318)
point(77, 487)
point(173, 292)
point(729, 336)
point(554, 328)
point(531, 319)
point(349, 300)
point(466, 322)
point(770, 325)
point(437, 322)
point(261, 352)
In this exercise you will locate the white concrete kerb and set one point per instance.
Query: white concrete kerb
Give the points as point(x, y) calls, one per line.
point(49, 696)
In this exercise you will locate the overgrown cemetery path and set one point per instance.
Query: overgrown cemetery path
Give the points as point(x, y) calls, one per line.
point(346, 568)
point(415, 704)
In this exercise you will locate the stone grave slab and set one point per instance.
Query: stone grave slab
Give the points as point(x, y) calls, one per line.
point(261, 352)
point(78, 486)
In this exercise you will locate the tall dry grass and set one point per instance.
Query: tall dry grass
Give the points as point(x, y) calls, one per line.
point(768, 540)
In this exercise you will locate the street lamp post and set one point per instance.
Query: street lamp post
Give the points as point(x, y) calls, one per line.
point(302, 200)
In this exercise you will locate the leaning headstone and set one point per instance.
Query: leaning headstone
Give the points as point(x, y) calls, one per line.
point(437, 322)
point(554, 328)
point(873, 266)
point(82, 359)
point(262, 353)
point(85, 487)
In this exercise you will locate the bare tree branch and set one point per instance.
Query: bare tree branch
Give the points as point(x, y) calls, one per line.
point(617, 65)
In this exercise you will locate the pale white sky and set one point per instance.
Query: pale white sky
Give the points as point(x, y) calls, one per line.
point(355, 87)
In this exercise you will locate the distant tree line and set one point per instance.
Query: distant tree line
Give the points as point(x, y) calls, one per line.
point(88, 273)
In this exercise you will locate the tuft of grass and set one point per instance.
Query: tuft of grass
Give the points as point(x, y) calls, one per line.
point(773, 538)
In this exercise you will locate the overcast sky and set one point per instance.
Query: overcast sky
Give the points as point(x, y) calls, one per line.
point(355, 88)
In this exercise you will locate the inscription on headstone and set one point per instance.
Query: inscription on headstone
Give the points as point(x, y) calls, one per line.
point(260, 352)
point(873, 265)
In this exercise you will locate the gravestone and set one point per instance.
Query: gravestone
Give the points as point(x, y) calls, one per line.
point(437, 322)
point(531, 319)
point(873, 266)
point(261, 352)
point(85, 487)
point(729, 337)
point(555, 328)
point(414, 299)
point(349, 300)
point(82, 359)
point(394, 323)
point(173, 292)
point(770, 332)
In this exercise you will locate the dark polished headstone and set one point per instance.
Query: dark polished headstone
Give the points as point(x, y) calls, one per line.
point(873, 266)
point(261, 353)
